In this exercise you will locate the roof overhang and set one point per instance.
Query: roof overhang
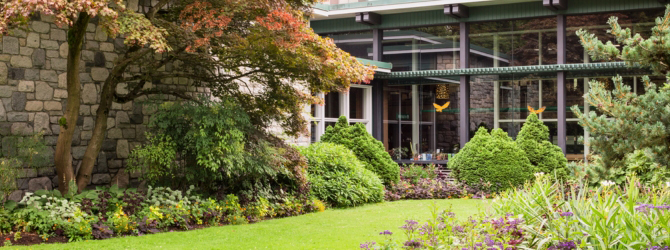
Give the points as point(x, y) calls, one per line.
point(328, 11)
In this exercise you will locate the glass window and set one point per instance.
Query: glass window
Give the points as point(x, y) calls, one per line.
point(481, 103)
point(513, 43)
point(639, 21)
point(358, 44)
point(356, 103)
point(411, 118)
point(332, 105)
point(423, 48)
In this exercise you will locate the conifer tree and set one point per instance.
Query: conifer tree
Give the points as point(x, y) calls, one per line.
point(545, 156)
point(368, 150)
point(627, 121)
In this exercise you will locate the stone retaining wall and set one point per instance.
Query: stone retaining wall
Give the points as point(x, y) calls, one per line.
point(33, 97)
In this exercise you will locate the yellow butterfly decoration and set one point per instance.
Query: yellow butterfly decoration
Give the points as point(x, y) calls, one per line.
point(439, 108)
point(537, 112)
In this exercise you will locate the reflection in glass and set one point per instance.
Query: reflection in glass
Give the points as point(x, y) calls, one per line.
point(410, 118)
point(358, 44)
point(639, 21)
point(356, 103)
point(513, 43)
point(422, 48)
point(332, 105)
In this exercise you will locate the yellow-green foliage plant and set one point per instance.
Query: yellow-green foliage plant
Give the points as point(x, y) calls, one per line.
point(542, 154)
point(491, 162)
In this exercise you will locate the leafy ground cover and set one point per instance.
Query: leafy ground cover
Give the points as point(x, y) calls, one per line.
point(332, 229)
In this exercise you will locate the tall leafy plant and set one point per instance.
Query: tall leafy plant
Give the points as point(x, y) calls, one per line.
point(214, 146)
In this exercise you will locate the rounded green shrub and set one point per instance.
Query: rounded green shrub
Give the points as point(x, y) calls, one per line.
point(542, 154)
point(367, 149)
point(491, 162)
point(339, 178)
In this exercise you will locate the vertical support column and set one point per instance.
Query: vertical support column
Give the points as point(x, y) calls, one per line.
point(464, 91)
point(377, 88)
point(560, 82)
point(587, 109)
point(496, 84)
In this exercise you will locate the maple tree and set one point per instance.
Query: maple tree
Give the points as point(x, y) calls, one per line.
point(261, 53)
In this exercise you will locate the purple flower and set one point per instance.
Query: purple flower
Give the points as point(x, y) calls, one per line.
point(566, 245)
point(567, 214)
point(368, 245)
point(386, 232)
point(458, 229)
point(413, 243)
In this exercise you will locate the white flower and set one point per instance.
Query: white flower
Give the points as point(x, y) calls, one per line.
point(607, 183)
point(539, 174)
point(667, 184)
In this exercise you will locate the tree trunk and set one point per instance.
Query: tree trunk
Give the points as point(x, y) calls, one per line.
point(98, 136)
point(63, 157)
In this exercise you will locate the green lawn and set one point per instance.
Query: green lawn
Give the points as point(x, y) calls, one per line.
point(332, 229)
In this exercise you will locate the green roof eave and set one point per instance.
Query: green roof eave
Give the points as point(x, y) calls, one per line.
point(507, 70)
point(380, 65)
point(342, 6)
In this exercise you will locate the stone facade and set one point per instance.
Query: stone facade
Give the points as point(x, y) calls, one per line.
point(33, 97)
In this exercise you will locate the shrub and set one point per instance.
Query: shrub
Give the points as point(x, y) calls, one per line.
point(366, 148)
point(214, 147)
point(637, 164)
point(491, 162)
point(339, 178)
point(542, 154)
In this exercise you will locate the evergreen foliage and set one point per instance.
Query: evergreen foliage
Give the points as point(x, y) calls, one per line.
point(214, 147)
point(339, 178)
point(367, 149)
point(628, 122)
point(491, 162)
point(545, 156)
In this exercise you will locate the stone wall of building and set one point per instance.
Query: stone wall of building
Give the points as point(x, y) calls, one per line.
point(33, 97)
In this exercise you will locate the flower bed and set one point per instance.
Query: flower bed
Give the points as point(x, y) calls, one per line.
point(551, 215)
point(418, 182)
point(47, 217)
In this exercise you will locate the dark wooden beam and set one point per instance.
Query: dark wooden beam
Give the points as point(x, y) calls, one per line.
point(464, 89)
point(560, 83)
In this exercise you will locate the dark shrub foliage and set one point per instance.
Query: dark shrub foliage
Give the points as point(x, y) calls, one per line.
point(336, 176)
point(215, 147)
point(491, 162)
point(367, 149)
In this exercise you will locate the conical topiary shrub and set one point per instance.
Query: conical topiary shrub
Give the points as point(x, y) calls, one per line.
point(491, 162)
point(367, 149)
point(542, 154)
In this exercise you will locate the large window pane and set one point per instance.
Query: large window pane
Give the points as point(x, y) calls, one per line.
point(332, 105)
point(639, 21)
point(513, 43)
point(481, 103)
point(422, 48)
point(358, 44)
point(356, 103)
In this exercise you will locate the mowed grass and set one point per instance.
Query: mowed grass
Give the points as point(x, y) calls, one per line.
point(332, 229)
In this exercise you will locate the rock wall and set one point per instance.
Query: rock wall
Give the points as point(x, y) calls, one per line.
point(33, 97)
